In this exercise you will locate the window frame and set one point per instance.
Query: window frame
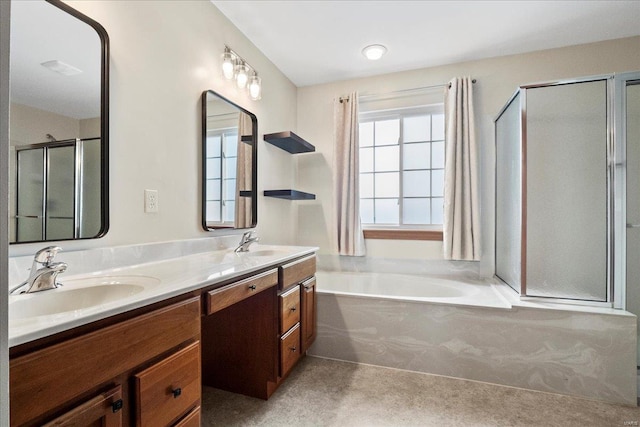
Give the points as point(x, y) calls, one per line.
point(223, 133)
point(401, 231)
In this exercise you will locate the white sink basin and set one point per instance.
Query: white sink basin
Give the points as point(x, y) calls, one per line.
point(265, 252)
point(77, 294)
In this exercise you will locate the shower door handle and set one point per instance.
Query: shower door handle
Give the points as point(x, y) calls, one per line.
point(633, 225)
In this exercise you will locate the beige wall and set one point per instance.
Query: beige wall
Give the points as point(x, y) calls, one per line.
point(29, 125)
point(497, 79)
point(164, 54)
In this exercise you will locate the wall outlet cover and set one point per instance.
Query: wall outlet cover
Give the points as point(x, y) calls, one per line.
point(151, 201)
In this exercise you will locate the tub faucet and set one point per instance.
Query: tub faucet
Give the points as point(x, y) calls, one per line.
point(247, 239)
point(42, 278)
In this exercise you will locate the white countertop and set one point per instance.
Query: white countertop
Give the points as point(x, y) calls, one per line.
point(159, 281)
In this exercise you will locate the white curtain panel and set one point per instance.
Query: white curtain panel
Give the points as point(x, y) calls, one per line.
point(350, 240)
point(461, 228)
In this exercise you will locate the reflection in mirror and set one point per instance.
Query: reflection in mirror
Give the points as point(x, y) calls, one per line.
point(229, 167)
point(58, 124)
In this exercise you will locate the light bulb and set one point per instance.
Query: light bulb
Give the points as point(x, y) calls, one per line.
point(228, 66)
point(374, 51)
point(242, 75)
point(255, 87)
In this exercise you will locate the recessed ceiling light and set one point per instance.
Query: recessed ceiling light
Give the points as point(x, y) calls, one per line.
point(374, 51)
point(61, 68)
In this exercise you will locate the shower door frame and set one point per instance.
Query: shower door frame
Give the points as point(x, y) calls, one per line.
point(614, 283)
point(620, 131)
point(78, 146)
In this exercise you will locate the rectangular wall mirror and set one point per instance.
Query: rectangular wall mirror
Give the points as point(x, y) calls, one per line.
point(229, 164)
point(58, 124)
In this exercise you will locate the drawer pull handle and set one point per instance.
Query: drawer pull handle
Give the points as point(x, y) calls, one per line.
point(252, 287)
point(293, 349)
point(293, 309)
point(117, 405)
point(176, 392)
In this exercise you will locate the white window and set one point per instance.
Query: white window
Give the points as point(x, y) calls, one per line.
point(221, 155)
point(402, 167)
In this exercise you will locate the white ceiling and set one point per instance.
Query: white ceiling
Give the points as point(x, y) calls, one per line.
point(41, 32)
point(316, 42)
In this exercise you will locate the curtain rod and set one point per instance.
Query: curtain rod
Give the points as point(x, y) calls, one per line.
point(372, 95)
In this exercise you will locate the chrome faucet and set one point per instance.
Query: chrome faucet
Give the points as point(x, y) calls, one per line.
point(42, 278)
point(248, 238)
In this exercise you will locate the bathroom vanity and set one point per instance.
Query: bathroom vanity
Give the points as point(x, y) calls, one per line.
point(240, 328)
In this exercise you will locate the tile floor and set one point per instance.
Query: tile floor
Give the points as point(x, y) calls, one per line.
point(321, 392)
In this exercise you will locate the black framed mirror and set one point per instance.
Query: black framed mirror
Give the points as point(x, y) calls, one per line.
point(59, 124)
point(229, 164)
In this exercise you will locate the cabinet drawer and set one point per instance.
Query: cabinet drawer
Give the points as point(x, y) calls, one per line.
point(226, 296)
point(169, 388)
point(296, 271)
point(289, 349)
point(289, 309)
point(100, 411)
point(191, 420)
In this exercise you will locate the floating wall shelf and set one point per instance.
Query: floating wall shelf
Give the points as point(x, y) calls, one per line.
point(247, 139)
point(289, 194)
point(289, 141)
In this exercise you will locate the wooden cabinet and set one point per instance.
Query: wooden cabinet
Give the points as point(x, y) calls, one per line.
point(169, 388)
point(309, 313)
point(146, 367)
point(240, 341)
point(104, 410)
point(49, 382)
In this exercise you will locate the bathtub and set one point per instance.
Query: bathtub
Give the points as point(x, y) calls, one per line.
point(408, 288)
point(471, 329)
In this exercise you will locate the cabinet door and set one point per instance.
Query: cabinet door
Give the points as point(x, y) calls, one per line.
point(101, 411)
point(309, 313)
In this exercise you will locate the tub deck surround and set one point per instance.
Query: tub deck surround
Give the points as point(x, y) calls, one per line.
point(175, 276)
point(561, 348)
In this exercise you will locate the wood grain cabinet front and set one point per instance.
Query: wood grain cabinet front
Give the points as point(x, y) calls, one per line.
point(289, 309)
point(296, 271)
point(104, 410)
point(309, 313)
point(168, 389)
point(47, 382)
point(289, 350)
point(219, 299)
point(192, 419)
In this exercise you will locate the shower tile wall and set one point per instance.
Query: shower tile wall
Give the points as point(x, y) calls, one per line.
point(569, 352)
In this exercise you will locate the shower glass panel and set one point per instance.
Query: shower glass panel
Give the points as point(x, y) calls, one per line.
point(59, 191)
point(633, 199)
point(91, 187)
point(508, 192)
point(566, 191)
point(30, 190)
point(60, 212)
point(554, 230)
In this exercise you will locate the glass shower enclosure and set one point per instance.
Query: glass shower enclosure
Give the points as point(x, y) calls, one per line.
point(57, 191)
point(560, 169)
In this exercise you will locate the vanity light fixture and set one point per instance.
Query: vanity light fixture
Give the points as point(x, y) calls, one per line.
point(255, 87)
point(235, 67)
point(374, 52)
point(228, 64)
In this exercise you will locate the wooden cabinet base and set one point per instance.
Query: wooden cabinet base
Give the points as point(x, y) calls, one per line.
point(239, 349)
